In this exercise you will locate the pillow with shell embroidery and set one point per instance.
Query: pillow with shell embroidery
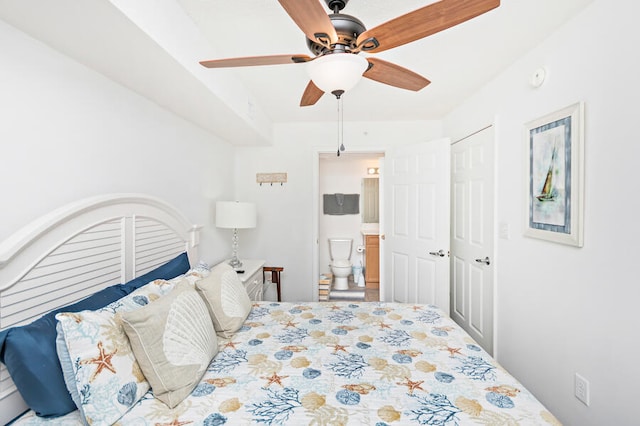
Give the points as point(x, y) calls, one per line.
point(174, 341)
point(107, 377)
point(226, 298)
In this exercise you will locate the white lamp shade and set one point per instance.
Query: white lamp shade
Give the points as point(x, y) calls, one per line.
point(337, 71)
point(234, 214)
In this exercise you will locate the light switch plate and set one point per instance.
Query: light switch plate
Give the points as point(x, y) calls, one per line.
point(503, 230)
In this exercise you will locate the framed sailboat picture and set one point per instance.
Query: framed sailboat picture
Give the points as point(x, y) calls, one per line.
point(555, 165)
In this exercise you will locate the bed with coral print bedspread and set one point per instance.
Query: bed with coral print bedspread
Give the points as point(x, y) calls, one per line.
point(349, 364)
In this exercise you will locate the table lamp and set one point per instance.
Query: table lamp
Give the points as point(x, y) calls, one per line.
point(235, 215)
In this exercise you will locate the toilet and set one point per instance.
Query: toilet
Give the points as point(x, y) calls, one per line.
point(340, 252)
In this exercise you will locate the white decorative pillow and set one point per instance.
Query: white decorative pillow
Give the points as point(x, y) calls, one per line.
point(199, 271)
point(227, 299)
point(105, 377)
point(174, 342)
point(68, 373)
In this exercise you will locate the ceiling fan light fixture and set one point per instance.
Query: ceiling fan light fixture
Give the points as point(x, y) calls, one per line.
point(337, 71)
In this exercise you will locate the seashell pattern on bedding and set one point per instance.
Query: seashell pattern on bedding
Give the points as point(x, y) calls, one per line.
point(188, 334)
point(226, 299)
point(346, 363)
point(230, 294)
point(107, 376)
point(173, 340)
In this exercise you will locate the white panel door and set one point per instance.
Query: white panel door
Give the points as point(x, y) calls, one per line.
point(416, 224)
point(472, 236)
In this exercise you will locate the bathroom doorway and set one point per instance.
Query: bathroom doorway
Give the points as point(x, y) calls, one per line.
point(352, 174)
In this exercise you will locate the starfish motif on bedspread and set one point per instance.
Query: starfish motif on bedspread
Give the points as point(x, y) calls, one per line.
point(504, 390)
point(230, 344)
point(76, 317)
point(175, 422)
point(412, 385)
point(274, 378)
point(411, 352)
point(290, 324)
point(383, 326)
point(102, 361)
point(453, 351)
point(338, 348)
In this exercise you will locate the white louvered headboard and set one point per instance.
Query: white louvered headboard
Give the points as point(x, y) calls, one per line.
point(79, 249)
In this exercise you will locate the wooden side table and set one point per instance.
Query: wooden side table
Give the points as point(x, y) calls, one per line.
point(275, 277)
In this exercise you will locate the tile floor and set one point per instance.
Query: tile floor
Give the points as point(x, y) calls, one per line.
point(355, 293)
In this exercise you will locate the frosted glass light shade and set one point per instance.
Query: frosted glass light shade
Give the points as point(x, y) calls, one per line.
point(235, 215)
point(337, 71)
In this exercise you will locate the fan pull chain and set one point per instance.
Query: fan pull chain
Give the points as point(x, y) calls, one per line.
point(341, 124)
point(339, 142)
point(338, 94)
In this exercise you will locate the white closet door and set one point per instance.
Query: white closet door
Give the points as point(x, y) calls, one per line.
point(472, 236)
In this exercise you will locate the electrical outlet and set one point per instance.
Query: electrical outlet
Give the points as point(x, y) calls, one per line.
point(582, 389)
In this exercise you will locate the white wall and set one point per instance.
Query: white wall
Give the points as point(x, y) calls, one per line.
point(67, 132)
point(286, 233)
point(562, 309)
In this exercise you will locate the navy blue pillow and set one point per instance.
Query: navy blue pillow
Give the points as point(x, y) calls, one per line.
point(29, 351)
point(177, 266)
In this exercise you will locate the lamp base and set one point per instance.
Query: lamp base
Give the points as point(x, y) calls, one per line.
point(235, 263)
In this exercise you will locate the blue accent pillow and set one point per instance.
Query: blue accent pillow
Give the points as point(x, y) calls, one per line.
point(177, 266)
point(29, 351)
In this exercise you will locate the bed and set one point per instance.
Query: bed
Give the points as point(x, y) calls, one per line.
point(271, 363)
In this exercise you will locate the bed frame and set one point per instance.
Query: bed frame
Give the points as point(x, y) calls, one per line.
point(79, 249)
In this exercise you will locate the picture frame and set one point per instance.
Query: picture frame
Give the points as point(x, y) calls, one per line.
point(555, 176)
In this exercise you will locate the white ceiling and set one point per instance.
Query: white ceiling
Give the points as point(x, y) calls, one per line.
point(153, 46)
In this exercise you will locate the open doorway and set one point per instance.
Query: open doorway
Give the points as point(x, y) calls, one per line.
point(352, 175)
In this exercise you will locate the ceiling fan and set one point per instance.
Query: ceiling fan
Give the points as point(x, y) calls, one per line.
point(337, 39)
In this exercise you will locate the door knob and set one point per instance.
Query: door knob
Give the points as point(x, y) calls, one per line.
point(486, 260)
point(437, 253)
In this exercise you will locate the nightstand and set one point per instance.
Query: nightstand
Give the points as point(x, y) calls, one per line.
point(252, 277)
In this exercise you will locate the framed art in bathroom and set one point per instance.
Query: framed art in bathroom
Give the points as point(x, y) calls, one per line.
point(555, 176)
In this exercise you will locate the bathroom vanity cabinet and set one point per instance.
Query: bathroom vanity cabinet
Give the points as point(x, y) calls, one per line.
point(372, 260)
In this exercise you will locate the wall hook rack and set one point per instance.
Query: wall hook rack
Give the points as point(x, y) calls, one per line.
point(271, 178)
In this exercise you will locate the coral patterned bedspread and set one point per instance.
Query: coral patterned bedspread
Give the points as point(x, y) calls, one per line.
point(347, 364)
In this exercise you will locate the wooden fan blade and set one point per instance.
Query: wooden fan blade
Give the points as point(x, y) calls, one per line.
point(310, 17)
point(255, 60)
point(311, 95)
point(422, 22)
point(394, 75)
